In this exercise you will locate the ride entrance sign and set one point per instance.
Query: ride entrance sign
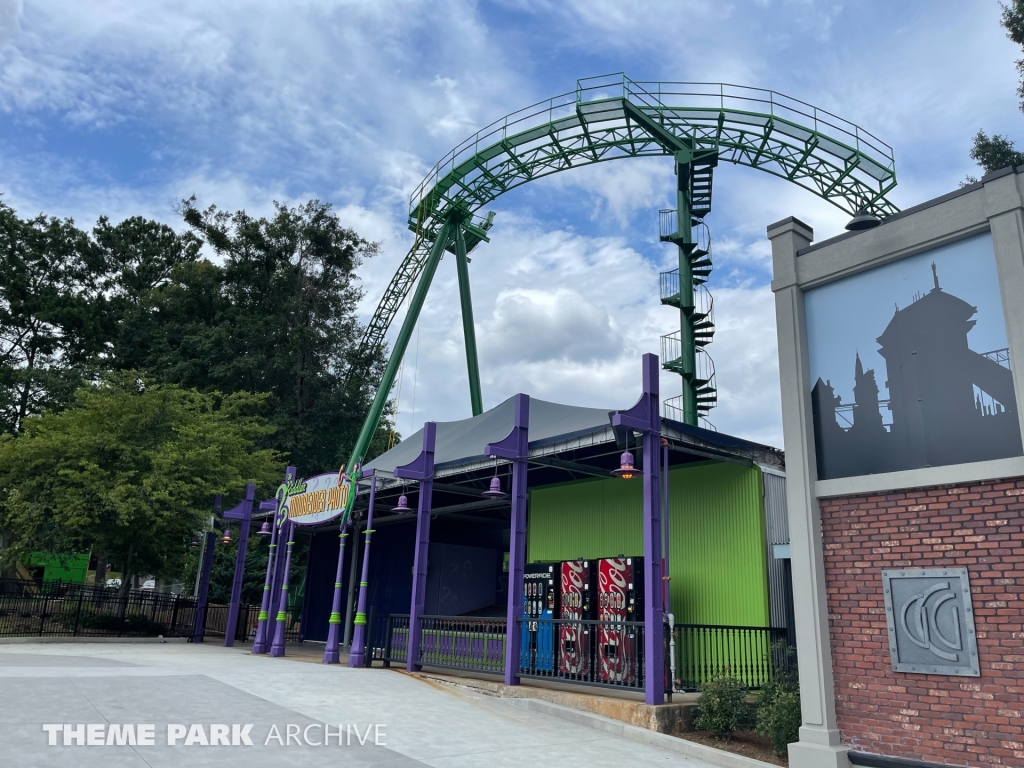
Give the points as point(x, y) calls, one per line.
point(322, 499)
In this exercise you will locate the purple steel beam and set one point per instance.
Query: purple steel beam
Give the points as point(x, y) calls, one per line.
point(644, 418)
point(421, 469)
point(260, 642)
point(242, 512)
point(357, 651)
point(331, 651)
point(199, 625)
point(277, 649)
point(515, 447)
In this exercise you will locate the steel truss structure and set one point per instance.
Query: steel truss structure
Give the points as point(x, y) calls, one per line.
point(612, 117)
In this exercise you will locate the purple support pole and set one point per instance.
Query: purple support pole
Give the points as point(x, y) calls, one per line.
point(422, 469)
point(199, 625)
point(242, 512)
point(515, 447)
point(644, 418)
point(331, 651)
point(277, 649)
point(261, 642)
point(357, 651)
point(666, 540)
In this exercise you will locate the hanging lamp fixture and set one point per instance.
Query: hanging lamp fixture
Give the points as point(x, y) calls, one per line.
point(626, 470)
point(494, 491)
point(264, 529)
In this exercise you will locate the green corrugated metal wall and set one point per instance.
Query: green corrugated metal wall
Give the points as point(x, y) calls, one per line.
point(718, 553)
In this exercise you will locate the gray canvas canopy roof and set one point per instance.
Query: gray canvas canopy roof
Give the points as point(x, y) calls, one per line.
point(464, 441)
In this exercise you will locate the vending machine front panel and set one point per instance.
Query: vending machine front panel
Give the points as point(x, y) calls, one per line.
point(540, 601)
point(575, 650)
point(619, 599)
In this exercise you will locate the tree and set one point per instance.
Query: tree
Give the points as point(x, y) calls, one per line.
point(997, 152)
point(277, 315)
point(130, 470)
point(51, 314)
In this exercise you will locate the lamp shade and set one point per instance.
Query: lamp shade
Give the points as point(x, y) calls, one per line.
point(264, 530)
point(626, 469)
point(403, 505)
point(494, 491)
point(226, 538)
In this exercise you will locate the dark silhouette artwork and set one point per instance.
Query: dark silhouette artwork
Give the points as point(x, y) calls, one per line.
point(948, 403)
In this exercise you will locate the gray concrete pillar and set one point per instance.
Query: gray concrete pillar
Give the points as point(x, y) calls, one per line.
point(819, 744)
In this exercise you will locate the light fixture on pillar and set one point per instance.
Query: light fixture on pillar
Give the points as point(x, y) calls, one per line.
point(226, 537)
point(863, 220)
point(264, 530)
point(494, 491)
point(626, 470)
point(403, 505)
point(195, 541)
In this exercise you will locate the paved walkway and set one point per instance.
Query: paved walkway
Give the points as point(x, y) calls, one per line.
point(164, 684)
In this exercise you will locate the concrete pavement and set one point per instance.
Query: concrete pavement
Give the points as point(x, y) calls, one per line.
point(198, 686)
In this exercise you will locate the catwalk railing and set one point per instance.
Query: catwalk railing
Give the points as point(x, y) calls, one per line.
point(59, 609)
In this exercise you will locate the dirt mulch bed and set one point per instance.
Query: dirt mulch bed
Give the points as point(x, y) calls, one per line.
point(746, 743)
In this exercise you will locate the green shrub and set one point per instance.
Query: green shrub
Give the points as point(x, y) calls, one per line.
point(778, 711)
point(722, 706)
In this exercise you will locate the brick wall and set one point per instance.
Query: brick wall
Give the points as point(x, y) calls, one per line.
point(955, 720)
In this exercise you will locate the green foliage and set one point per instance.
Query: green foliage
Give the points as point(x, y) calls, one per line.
point(722, 705)
point(130, 469)
point(995, 152)
point(778, 709)
point(50, 308)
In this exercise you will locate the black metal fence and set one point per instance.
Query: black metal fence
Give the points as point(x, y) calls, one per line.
point(606, 653)
point(602, 653)
point(476, 644)
point(61, 609)
point(749, 654)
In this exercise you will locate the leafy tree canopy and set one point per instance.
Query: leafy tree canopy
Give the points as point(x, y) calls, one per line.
point(997, 152)
point(130, 470)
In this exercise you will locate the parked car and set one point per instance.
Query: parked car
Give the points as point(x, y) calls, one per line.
point(113, 582)
point(149, 584)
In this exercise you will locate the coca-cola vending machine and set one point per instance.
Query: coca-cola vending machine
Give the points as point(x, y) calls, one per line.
point(620, 598)
point(575, 649)
point(540, 601)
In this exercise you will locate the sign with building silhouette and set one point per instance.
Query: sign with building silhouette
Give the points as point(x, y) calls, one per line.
point(910, 367)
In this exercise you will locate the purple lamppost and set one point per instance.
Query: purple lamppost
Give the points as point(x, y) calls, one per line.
point(644, 418)
point(515, 447)
point(242, 512)
point(357, 651)
point(277, 649)
point(279, 506)
point(332, 654)
point(421, 469)
point(205, 569)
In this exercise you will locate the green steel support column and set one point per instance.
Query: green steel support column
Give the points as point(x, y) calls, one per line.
point(468, 329)
point(684, 241)
point(388, 379)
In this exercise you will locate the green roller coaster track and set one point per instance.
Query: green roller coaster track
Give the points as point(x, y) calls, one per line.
point(608, 118)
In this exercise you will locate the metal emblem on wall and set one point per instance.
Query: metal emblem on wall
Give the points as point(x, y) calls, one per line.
point(930, 618)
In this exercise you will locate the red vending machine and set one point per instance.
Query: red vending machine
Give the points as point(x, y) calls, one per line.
point(575, 649)
point(620, 598)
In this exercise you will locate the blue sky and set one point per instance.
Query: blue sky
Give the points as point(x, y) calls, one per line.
point(126, 106)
